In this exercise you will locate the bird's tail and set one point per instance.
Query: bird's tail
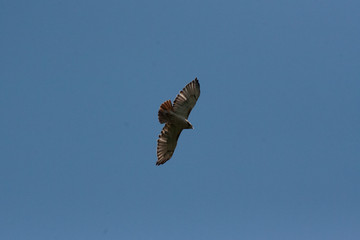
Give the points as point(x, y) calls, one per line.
point(164, 110)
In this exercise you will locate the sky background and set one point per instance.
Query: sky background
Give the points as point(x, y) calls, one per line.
point(275, 153)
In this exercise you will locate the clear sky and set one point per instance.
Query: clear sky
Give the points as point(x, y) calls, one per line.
point(275, 153)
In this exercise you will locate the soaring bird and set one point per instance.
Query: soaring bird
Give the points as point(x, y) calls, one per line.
point(175, 116)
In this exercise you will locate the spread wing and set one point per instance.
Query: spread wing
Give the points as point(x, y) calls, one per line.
point(186, 99)
point(166, 143)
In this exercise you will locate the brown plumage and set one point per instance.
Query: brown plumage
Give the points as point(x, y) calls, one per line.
point(175, 118)
point(165, 107)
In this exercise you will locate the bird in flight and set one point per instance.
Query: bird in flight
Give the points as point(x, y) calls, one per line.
point(175, 118)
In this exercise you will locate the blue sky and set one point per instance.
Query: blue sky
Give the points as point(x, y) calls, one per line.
point(276, 146)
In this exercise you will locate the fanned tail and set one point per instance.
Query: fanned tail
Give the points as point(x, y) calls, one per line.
point(163, 114)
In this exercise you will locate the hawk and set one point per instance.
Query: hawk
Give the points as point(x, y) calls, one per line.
point(175, 118)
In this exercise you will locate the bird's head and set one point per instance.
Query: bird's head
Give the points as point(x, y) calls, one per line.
point(188, 125)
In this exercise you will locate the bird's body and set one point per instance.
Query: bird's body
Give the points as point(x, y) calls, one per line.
point(175, 118)
point(180, 121)
point(167, 115)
